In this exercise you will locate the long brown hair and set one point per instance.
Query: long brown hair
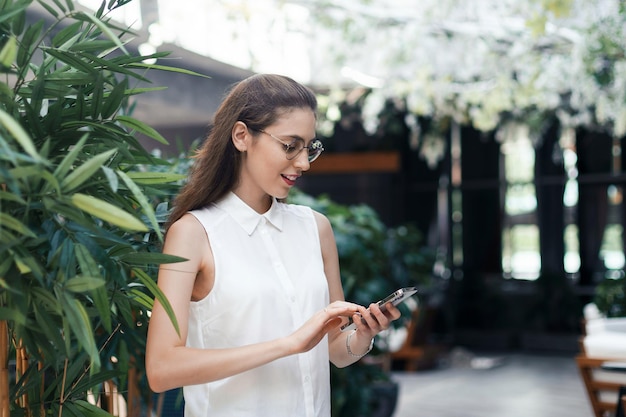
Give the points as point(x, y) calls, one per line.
point(257, 101)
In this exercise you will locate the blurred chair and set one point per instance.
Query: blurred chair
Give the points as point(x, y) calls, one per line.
point(603, 341)
point(417, 352)
point(621, 410)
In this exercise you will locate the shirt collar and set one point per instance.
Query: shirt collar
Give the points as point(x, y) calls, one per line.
point(246, 217)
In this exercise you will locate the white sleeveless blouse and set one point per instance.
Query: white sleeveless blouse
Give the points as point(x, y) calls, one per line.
point(269, 279)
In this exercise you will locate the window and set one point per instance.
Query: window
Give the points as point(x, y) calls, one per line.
point(520, 234)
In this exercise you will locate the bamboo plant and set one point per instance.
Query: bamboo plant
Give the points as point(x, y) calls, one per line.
point(79, 231)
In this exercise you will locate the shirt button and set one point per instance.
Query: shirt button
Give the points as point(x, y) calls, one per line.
point(307, 378)
point(293, 298)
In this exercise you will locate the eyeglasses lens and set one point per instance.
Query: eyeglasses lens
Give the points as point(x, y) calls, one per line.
point(315, 149)
point(293, 149)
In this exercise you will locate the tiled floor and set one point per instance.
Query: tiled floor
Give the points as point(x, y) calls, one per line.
point(521, 385)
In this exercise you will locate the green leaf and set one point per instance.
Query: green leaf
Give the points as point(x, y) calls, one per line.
point(86, 170)
point(142, 298)
point(46, 299)
point(154, 258)
point(114, 100)
point(87, 384)
point(86, 262)
point(78, 321)
point(26, 173)
point(8, 53)
point(108, 212)
point(101, 301)
point(77, 78)
point(114, 181)
point(10, 222)
point(9, 13)
point(60, 6)
point(51, 181)
point(48, 8)
point(97, 96)
point(142, 128)
point(71, 60)
point(26, 43)
point(92, 45)
point(80, 103)
point(112, 66)
point(156, 292)
point(143, 202)
point(6, 92)
point(19, 134)
point(82, 284)
point(67, 45)
point(65, 165)
point(104, 28)
point(19, 22)
point(169, 69)
point(70, 410)
point(100, 10)
point(11, 197)
point(11, 314)
point(142, 90)
point(66, 34)
point(47, 326)
point(90, 410)
point(149, 178)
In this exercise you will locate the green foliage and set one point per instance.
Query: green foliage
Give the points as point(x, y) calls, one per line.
point(555, 307)
point(610, 297)
point(375, 259)
point(78, 232)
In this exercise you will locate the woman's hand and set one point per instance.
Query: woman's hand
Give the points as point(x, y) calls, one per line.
point(371, 321)
point(318, 326)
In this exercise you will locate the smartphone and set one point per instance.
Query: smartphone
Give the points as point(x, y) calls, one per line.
point(395, 298)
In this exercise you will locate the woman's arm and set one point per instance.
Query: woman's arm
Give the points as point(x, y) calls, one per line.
point(169, 362)
point(369, 322)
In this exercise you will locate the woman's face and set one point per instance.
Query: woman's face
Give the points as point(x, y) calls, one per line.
point(265, 170)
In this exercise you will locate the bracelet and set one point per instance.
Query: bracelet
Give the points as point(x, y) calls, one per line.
point(350, 350)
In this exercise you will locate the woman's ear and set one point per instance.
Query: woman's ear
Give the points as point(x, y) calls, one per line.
point(240, 135)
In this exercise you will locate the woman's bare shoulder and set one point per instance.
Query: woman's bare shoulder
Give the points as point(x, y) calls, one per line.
point(186, 225)
point(186, 232)
point(323, 224)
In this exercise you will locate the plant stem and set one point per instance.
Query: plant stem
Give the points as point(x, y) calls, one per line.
point(21, 367)
point(62, 399)
point(4, 371)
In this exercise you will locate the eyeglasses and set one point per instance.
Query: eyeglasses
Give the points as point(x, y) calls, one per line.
point(296, 146)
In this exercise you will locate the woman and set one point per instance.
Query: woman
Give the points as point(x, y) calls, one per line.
point(258, 301)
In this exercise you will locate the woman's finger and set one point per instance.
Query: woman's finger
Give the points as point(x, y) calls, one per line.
point(341, 308)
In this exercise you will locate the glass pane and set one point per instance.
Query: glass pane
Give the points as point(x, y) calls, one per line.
point(520, 257)
point(520, 199)
point(520, 239)
point(519, 164)
point(571, 261)
point(612, 251)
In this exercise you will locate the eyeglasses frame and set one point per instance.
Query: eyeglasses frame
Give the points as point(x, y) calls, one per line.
point(321, 149)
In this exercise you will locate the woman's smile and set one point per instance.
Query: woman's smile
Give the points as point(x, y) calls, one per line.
point(290, 179)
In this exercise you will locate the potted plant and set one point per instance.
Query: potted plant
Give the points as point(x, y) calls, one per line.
point(553, 316)
point(610, 297)
point(78, 230)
